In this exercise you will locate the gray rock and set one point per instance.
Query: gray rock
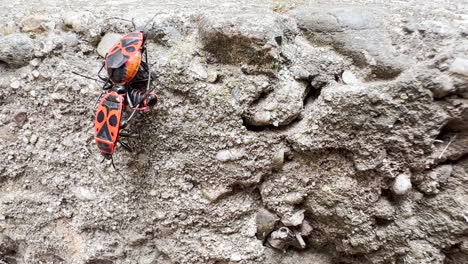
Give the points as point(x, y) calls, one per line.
point(16, 49)
point(433, 180)
point(355, 32)
point(265, 221)
point(459, 66)
point(241, 36)
point(281, 106)
point(349, 78)
point(71, 39)
point(106, 43)
point(7, 245)
point(15, 84)
point(33, 23)
point(402, 184)
point(294, 219)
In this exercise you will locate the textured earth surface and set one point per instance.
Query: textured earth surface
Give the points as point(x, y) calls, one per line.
point(286, 132)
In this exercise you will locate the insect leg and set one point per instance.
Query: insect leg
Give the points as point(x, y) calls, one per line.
point(125, 134)
point(99, 73)
point(126, 146)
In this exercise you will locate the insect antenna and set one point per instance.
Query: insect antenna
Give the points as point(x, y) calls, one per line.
point(87, 77)
point(97, 101)
point(147, 23)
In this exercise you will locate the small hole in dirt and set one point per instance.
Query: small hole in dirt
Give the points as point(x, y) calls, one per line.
point(312, 94)
point(382, 222)
point(252, 127)
point(387, 193)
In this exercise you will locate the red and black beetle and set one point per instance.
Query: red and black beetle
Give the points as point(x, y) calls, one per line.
point(109, 114)
point(124, 59)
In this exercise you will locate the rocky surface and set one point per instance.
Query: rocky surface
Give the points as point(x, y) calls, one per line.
point(286, 132)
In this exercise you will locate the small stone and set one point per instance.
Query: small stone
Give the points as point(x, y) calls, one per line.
point(236, 257)
point(402, 184)
point(15, 84)
point(212, 77)
point(278, 159)
point(35, 73)
point(293, 220)
point(27, 133)
point(35, 62)
point(20, 118)
point(83, 193)
point(16, 49)
point(45, 76)
point(262, 118)
point(106, 43)
point(349, 78)
point(229, 154)
point(265, 221)
point(300, 73)
point(199, 71)
point(7, 245)
point(33, 139)
point(71, 39)
point(306, 228)
point(27, 88)
point(213, 193)
point(459, 66)
point(33, 23)
point(293, 198)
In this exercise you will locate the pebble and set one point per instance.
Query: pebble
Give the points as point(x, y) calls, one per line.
point(278, 159)
point(229, 154)
point(16, 49)
point(293, 220)
point(402, 184)
point(32, 23)
point(35, 73)
point(83, 193)
point(15, 84)
point(27, 88)
point(35, 62)
point(33, 139)
point(460, 66)
point(265, 221)
point(349, 78)
point(71, 39)
point(262, 118)
point(215, 192)
point(107, 42)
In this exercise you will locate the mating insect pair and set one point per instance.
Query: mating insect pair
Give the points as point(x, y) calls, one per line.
point(127, 86)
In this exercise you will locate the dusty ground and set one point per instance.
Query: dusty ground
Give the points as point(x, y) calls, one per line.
point(344, 123)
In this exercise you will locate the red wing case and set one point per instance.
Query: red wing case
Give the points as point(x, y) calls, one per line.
point(107, 122)
point(124, 58)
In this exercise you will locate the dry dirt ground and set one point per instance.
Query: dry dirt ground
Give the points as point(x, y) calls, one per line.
point(286, 132)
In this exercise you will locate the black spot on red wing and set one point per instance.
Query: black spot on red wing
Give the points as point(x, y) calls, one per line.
point(127, 42)
point(113, 120)
point(130, 49)
point(104, 147)
point(116, 60)
point(104, 133)
point(100, 116)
